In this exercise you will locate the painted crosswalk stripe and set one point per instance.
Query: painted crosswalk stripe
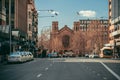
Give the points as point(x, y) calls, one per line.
point(112, 72)
point(46, 69)
point(39, 75)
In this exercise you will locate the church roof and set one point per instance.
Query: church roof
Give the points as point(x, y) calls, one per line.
point(65, 28)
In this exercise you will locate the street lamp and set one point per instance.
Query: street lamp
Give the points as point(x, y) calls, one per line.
point(51, 11)
point(46, 10)
point(44, 16)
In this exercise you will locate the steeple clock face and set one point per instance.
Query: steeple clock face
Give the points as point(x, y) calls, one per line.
point(66, 41)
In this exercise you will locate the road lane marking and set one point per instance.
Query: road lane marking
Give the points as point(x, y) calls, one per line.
point(98, 74)
point(104, 78)
point(90, 69)
point(50, 64)
point(53, 62)
point(93, 71)
point(112, 72)
point(39, 75)
point(46, 69)
point(6, 70)
point(29, 62)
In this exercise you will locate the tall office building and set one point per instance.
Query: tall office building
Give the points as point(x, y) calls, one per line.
point(2, 12)
point(114, 22)
point(22, 21)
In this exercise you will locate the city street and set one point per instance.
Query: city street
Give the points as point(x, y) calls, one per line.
point(59, 40)
point(62, 69)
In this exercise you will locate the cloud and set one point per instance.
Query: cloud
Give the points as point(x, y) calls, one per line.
point(87, 13)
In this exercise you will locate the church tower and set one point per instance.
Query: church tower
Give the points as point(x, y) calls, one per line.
point(54, 26)
point(53, 36)
point(76, 26)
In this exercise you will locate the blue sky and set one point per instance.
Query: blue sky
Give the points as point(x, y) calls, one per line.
point(68, 9)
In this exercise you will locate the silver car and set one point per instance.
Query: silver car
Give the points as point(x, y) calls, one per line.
point(16, 57)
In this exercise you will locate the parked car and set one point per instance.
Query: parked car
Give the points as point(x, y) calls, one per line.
point(26, 55)
point(54, 55)
point(64, 55)
point(16, 57)
point(20, 56)
point(29, 55)
point(93, 56)
point(69, 54)
point(86, 55)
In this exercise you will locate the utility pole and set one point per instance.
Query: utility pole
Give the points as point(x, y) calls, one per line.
point(10, 23)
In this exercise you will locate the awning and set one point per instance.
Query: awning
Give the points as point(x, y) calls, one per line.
point(105, 48)
point(117, 40)
point(108, 45)
point(15, 33)
point(117, 43)
point(18, 33)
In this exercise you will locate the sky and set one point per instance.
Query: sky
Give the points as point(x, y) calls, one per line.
point(69, 11)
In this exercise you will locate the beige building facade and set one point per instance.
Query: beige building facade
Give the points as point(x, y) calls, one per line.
point(114, 28)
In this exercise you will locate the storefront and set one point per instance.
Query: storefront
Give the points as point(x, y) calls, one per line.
point(117, 47)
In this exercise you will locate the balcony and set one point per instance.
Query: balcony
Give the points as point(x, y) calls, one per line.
point(4, 11)
point(115, 33)
point(108, 45)
point(117, 43)
point(116, 20)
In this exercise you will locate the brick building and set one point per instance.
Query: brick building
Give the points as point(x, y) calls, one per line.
point(61, 39)
point(23, 21)
point(87, 36)
point(2, 13)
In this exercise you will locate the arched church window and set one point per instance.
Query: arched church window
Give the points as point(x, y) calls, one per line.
point(66, 41)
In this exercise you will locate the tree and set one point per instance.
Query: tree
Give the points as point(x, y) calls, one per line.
point(94, 37)
point(44, 39)
point(79, 42)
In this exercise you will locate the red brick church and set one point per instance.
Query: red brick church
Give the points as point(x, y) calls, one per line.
point(75, 39)
point(63, 39)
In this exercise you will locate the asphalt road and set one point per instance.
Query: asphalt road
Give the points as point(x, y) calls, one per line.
point(61, 69)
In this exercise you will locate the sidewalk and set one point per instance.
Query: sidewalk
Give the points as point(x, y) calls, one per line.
point(3, 63)
point(92, 60)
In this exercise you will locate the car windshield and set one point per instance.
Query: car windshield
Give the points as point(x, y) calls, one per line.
point(15, 53)
point(107, 52)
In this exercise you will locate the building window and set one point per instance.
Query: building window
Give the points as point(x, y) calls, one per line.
point(30, 15)
point(66, 41)
point(29, 27)
point(30, 38)
point(12, 6)
point(109, 2)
